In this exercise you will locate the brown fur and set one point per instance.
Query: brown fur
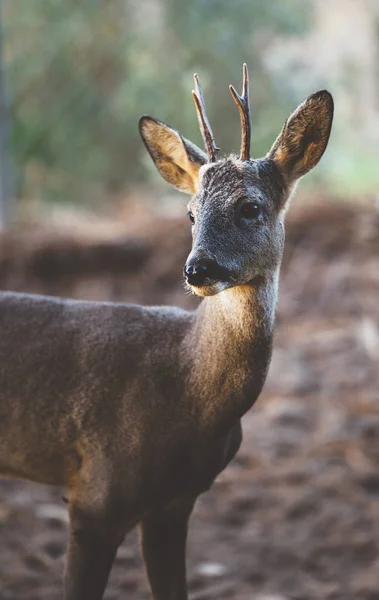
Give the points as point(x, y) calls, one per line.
point(304, 136)
point(177, 159)
point(136, 410)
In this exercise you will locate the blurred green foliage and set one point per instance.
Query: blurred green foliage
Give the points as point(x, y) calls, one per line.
point(80, 75)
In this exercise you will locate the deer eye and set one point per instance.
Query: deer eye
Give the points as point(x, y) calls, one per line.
point(250, 210)
point(191, 217)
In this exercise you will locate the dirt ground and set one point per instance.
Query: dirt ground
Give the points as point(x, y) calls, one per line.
point(296, 515)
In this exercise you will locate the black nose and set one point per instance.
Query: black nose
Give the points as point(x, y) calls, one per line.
point(197, 270)
point(196, 273)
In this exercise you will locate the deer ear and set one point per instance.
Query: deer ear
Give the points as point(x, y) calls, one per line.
point(304, 137)
point(177, 159)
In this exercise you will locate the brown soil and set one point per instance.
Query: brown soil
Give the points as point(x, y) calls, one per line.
point(296, 515)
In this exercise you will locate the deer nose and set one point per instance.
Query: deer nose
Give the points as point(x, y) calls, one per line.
point(196, 272)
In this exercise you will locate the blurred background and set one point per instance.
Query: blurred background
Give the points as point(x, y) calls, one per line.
point(84, 214)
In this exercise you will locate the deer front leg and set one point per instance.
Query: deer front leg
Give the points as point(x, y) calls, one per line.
point(163, 540)
point(92, 547)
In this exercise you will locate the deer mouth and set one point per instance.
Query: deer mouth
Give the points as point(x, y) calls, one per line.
point(210, 286)
point(208, 289)
point(204, 276)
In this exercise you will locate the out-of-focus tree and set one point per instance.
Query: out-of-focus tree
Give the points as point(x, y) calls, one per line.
point(80, 75)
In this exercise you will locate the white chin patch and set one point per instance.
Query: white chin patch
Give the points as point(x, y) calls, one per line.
point(209, 290)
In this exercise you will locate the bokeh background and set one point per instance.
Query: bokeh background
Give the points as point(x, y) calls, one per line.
point(84, 214)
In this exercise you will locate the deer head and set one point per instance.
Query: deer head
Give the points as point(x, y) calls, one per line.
point(238, 203)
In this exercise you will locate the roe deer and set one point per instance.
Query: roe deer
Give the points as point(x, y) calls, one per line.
point(137, 410)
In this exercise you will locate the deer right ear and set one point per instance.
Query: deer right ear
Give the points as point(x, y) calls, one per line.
point(177, 159)
point(304, 137)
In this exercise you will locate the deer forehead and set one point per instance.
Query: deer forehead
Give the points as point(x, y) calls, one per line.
point(226, 181)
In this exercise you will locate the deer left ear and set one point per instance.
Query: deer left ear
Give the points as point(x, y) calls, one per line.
point(304, 137)
point(178, 160)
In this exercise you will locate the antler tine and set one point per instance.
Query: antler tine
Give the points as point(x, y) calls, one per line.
point(202, 118)
point(243, 105)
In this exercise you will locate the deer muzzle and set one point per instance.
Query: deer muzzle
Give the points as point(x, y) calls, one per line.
point(204, 271)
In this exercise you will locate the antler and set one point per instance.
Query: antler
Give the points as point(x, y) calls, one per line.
point(204, 125)
point(243, 106)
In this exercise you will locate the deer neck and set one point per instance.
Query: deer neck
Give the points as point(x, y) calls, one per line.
point(231, 342)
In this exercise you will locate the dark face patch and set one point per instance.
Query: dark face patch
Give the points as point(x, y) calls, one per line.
point(237, 218)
